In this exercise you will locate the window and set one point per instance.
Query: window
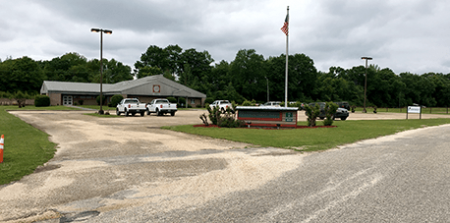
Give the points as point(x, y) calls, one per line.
point(192, 101)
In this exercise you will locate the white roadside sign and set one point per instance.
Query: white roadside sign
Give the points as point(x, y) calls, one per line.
point(414, 109)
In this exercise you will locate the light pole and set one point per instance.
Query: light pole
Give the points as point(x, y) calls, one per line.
point(267, 80)
point(365, 83)
point(101, 31)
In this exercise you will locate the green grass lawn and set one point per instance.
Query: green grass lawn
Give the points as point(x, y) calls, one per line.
point(403, 110)
point(313, 139)
point(25, 146)
point(32, 107)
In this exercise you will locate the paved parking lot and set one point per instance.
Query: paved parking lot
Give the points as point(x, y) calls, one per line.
point(114, 168)
point(106, 164)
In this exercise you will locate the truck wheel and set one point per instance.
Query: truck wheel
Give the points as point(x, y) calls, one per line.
point(158, 113)
point(117, 112)
point(172, 113)
point(126, 112)
point(148, 112)
point(133, 114)
point(222, 110)
point(142, 113)
point(343, 118)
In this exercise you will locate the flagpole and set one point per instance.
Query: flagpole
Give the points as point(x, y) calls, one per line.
point(287, 56)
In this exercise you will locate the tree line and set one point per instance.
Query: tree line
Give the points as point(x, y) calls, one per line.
point(249, 76)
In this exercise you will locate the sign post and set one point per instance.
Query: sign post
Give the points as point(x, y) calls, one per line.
point(414, 110)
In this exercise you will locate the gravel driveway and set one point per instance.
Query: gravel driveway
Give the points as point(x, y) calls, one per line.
point(129, 170)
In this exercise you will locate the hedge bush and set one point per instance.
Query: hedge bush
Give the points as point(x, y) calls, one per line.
point(172, 99)
point(247, 103)
point(103, 101)
point(42, 101)
point(115, 100)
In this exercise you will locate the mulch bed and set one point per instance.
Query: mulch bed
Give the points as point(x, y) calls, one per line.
point(298, 127)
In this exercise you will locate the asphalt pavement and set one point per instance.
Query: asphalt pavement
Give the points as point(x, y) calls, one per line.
point(402, 178)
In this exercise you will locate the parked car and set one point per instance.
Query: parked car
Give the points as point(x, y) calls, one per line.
point(271, 104)
point(343, 104)
point(340, 113)
point(161, 106)
point(222, 104)
point(130, 106)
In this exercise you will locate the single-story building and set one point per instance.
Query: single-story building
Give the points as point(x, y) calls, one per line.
point(145, 89)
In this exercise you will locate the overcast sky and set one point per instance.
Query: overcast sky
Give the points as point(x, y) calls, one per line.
point(403, 35)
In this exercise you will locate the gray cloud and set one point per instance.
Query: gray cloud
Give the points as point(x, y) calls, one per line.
point(406, 36)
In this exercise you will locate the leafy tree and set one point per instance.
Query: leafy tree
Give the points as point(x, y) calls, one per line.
point(302, 76)
point(195, 66)
point(115, 72)
point(168, 75)
point(148, 71)
point(22, 74)
point(219, 78)
point(21, 97)
point(157, 58)
point(248, 72)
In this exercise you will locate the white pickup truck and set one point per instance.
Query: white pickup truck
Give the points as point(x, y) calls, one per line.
point(222, 104)
point(161, 106)
point(130, 106)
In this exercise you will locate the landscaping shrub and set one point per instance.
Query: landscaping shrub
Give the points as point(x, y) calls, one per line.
point(42, 101)
point(312, 112)
point(214, 113)
point(115, 100)
point(227, 120)
point(181, 103)
point(204, 119)
point(330, 109)
point(172, 100)
point(234, 104)
point(296, 104)
point(103, 101)
point(246, 103)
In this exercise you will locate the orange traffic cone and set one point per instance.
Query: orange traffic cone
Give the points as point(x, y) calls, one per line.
point(2, 140)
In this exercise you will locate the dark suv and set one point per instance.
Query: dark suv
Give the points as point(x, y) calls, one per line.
point(343, 104)
point(341, 112)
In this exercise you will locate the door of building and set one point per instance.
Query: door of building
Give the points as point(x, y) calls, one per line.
point(67, 100)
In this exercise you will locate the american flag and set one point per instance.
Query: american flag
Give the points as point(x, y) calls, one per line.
point(285, 27)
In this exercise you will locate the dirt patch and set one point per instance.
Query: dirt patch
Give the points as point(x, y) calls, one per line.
point(47, 167)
